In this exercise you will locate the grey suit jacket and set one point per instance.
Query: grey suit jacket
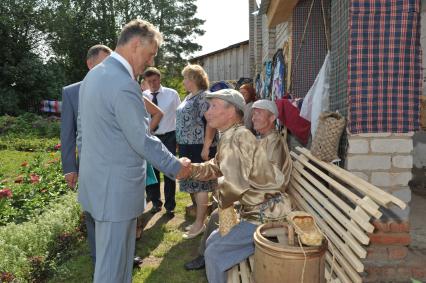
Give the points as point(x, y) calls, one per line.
point(115, 141)
point(69, 127)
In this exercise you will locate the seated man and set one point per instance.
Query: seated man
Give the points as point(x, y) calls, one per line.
point(264, 114)
point(248, 177)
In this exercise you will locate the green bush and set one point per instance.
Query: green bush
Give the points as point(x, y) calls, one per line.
point(29, 125)
point(28, 251)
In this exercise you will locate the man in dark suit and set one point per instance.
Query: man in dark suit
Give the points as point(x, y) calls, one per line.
point(113, 128)
point(95, 55)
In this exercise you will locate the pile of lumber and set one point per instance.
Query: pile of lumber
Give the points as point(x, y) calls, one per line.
point(343, 206)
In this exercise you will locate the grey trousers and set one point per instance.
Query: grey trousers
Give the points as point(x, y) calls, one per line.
point(90, 227)
point(212, 225)
point(115, 249)
point(224, 252)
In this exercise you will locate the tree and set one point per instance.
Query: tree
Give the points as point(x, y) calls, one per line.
point(75, 25)
point(25, 77)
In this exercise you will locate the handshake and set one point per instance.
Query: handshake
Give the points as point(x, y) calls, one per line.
point(186, 169)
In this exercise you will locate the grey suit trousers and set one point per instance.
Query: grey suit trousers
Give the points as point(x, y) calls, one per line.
point(115, 249)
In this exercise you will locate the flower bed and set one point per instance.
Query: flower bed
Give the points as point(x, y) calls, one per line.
point(27, 195)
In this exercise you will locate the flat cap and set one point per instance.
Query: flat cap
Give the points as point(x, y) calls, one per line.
point(266, 105)
point(229, 95)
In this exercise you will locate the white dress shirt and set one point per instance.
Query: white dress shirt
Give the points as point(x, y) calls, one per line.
point(168, 100)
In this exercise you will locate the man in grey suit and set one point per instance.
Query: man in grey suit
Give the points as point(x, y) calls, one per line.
point(95, 55)
point(113, 129)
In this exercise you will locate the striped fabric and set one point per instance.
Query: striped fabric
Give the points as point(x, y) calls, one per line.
point(51, 106)
point(312, 50)
point(384, 66)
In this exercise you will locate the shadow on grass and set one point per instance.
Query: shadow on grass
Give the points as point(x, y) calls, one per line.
point(169, 268)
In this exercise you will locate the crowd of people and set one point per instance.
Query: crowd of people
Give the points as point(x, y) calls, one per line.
point(127, 133)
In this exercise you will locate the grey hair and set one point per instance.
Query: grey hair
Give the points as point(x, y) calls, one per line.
point(238, 111)
point(143, 29)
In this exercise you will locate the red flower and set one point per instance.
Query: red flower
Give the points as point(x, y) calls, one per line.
point(34, 178)
point(58, 146)
point(5, 193)
point(24, 164)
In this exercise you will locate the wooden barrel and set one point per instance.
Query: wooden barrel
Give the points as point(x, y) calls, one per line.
point(278, 262)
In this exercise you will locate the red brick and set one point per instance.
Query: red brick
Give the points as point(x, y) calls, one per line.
point(419, 273)
point(381, 238)
point(399, 227)
point(377, 252)
point(381, 226)
point(399, 252)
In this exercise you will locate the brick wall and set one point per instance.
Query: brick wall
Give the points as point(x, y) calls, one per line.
point(386, 160)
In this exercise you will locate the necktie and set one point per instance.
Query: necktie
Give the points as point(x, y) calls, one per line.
point(154, 97)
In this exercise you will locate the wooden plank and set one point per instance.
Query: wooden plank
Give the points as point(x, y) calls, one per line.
point(343, 262)
point(348, 253)
point(338, 229)
point(372, 210)
point(233, 276)
point(244, 272)
point(360, 217)
point(377, 194)
point(345, 222)
point(251, 260)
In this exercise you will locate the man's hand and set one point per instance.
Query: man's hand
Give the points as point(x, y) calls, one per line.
point(185, 170)
point(71, 179)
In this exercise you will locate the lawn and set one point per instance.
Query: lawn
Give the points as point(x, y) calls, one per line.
point(11, 160)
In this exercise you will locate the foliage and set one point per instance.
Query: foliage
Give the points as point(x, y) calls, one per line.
point(28, 144)
point(25, 76)
point(29, 125)
point(29, 251)
point(98, 21)
point(37, 185)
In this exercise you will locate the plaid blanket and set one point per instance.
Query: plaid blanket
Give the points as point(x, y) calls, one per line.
point(384, 64)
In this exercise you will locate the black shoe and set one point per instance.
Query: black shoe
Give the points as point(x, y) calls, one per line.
point(170, 214)
point(195, 264)
point(155, 209)
point(137, 261)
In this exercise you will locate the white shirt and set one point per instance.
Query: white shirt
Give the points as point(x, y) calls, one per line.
point(168, 100)
point(123, 61)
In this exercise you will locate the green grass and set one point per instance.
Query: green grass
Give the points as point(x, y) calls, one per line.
point(161, 246)
point(11, 160)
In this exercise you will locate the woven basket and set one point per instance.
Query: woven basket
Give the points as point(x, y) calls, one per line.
point(305, 227)
point(227, 219)
point(326, 141)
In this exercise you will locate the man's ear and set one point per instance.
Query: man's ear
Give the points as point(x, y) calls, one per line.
point(272, 118)
point(89, 63)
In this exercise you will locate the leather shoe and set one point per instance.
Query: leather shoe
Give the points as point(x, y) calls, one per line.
point(170, 214)
point(196, 263)
point(137, 261)
point(155, 209)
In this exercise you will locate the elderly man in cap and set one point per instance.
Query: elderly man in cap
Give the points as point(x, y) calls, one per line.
point(246, 175)
point(264, 114)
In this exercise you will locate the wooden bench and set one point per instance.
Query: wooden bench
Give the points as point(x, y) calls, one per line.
point(342, 205)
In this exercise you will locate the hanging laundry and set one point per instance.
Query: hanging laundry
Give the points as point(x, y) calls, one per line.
point(317, 98)
point(289, 115)
point(266, 90)
point(278, 77)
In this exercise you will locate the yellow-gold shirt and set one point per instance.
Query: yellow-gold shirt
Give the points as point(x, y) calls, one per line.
point(247, 172)
point(276, 148)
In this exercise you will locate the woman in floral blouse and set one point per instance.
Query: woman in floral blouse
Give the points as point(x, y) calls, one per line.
point(196, 140)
